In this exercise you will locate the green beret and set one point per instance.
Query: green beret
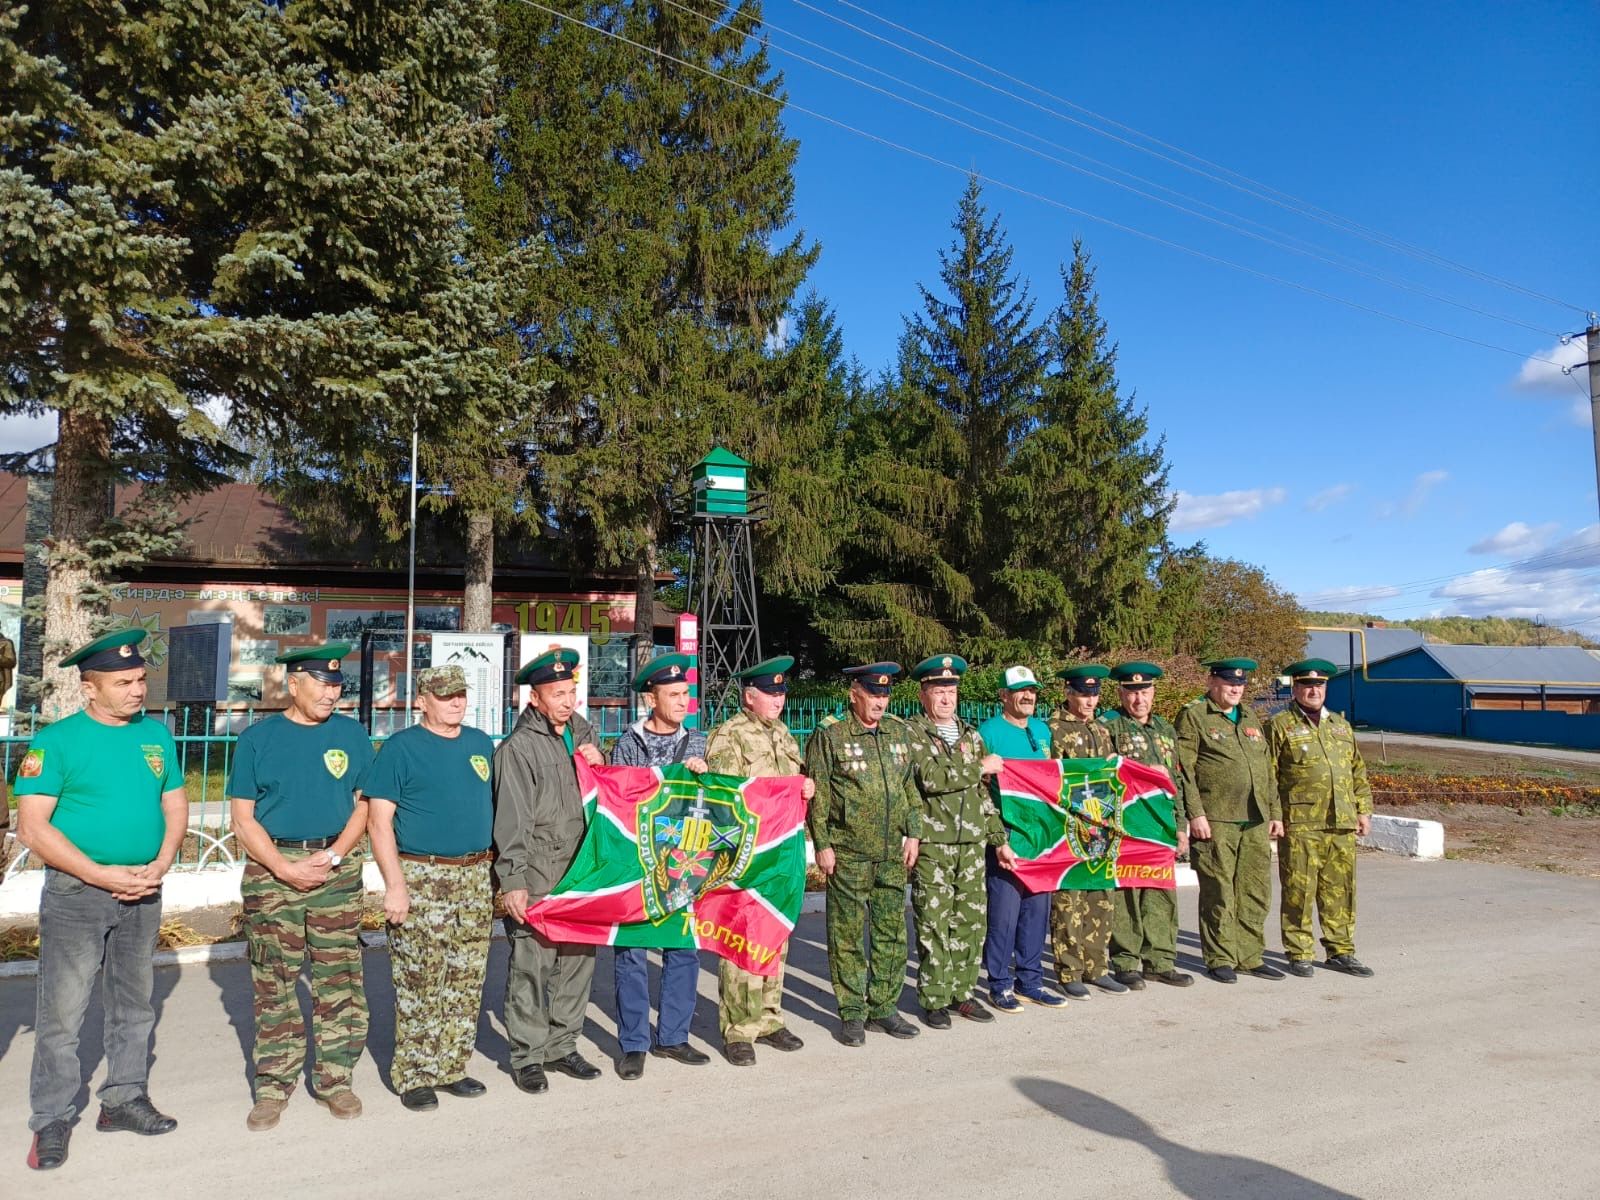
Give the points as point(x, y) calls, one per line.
point(550, 666)
point(940, 669)
point(114, 651)
point(1136, 674)
point(320, 662)
point(1311, 670)
point(669, 668)
point(771, 675)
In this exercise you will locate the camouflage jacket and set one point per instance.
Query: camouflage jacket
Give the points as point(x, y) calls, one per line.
point(1155, 744)
point(1227, 767)
point(746, 745)
point(956, 806)
point(1072, 738)
point(1322, 780)
point(866, 799)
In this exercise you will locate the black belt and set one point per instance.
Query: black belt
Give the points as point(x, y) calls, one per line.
point(321, 843)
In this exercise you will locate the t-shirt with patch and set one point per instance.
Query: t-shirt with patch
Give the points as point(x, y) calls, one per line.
point(108, 781)
point(301, 776)
point(440, 789)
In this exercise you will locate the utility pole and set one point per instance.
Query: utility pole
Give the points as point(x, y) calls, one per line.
point(1593, 345)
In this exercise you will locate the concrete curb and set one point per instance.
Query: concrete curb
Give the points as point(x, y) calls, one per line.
point(1406, 836)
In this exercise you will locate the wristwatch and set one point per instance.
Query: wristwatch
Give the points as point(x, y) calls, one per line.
point(335, 859)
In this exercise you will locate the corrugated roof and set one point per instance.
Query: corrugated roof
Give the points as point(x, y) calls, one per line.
point(1381, 643)
point(1520, 664)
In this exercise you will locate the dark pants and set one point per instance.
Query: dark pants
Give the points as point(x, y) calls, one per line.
point(547, 995)
point(84, 931)
point(680, 976)
point(1018, 920)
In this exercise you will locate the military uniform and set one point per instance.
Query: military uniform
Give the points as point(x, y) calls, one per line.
point(1144, 924)
point(750, 1006)
point(1228, 778)
point(1080, 921)
point(443, 814)
point(538, 827)
point(302, 782)
point(865, 806)
point(1323, 788)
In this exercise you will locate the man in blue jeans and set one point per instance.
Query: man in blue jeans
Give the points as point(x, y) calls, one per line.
point(100, 802)
point(1013, 948)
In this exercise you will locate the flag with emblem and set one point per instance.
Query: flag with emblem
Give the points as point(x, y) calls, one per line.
point(672, 860)
point(1089, 823)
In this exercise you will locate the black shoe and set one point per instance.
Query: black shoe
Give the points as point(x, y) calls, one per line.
point(682, 1052)
point(575, 1065)
point(1301, 968)
point(1108, 984)
point(49, 1149)
point(853, 1033)
point(1350, 965)
point(1222, 974)
point(464, 1087)
point(1131, 980)
point(421, 1099)
point(1171, 976)
point(530, 1079)
point(894, 1025)
point(781, 1039)
point(972, 1010)
point(631, 1065)
point(936, 1018)
point(1264, 971)
point(740, 1054)
point(136, 1116)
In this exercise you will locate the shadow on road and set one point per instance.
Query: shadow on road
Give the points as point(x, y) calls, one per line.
point(1199, 1174)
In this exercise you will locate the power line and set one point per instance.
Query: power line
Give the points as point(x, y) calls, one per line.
point(1275, 237)
point(1033, 195)
point(1257, 189)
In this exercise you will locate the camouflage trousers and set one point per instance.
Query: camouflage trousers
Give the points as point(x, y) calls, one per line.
point(867, 897)
point(1235, 869)
point(949, 911)
point(1318, 864)
point(283, 928)
point(438, 958)
point(749, 1005)
point(1080, 932)
point(1144, 929)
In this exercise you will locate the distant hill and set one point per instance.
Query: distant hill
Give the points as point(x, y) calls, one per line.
point(1465, 631)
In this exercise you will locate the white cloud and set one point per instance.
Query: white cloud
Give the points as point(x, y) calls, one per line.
point(1330, 496)
point(1543, 372)
point(20, 433)
point(1557, 586)
point(1345, 597)
point(1516, 540)
point(1211, 512)
point(1411, 503)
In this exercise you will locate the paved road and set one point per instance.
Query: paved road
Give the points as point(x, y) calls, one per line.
point(1588, 758)
point(1467, 1068)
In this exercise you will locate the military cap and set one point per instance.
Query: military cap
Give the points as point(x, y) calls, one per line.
point(549, 667)
point(1136, 674)
point(940, 670)
point(668, 668)
point(448, 680)
point(770, 675)
point(1232, 670)
point(114, 651)
point(1014, 679)
point(1311, 670)
point(876, 679)
point(320, 662)
point(1085, 678)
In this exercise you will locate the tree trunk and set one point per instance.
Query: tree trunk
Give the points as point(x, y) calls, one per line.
point(80, 504)
point(644, 604)
point(477, 613)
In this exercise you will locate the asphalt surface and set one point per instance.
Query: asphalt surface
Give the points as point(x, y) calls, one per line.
point(1468, 1067)
point(1588, 758)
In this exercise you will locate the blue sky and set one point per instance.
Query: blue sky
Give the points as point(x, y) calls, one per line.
point(1363, 462)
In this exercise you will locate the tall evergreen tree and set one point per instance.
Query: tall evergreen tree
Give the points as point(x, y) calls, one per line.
point(246, 210)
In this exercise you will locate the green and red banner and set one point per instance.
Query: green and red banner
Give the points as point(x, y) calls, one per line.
point(1089, 823)
point(677, 860)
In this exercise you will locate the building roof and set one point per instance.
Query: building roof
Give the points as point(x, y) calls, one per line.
point(1382, 642)
point(1520, 664)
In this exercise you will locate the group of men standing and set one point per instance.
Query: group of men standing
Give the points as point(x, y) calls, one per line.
point(450, 818)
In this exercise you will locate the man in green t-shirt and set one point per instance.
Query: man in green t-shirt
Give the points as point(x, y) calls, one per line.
point(100, 802)
point(298, 811)
point(430, 820)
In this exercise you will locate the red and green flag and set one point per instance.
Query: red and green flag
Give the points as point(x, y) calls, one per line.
point(675, 860)
point(1089, 823)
